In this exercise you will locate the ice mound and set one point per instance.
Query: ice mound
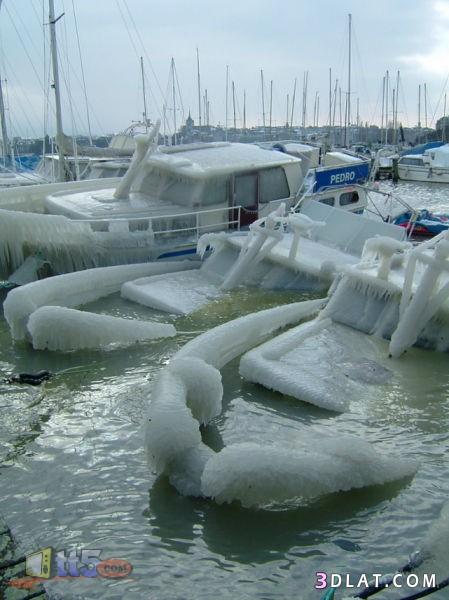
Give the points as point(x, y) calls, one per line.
point(75, 289)
point(65, 329)
point(188, 392)
point(320, 362)
point(263, 475)
point(180, 293)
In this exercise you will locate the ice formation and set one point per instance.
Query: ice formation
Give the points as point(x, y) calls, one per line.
point(320, 362)
point(65, 241)
point(188, 392)
point(179, 293)
point(74, 289)
point(260, 475)
point(429, 296)
point(66, 329)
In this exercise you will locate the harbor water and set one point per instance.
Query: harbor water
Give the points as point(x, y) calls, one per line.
point(74, 474)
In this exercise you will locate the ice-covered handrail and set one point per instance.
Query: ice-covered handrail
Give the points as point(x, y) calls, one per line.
point(188, 392)
point(416, 309)
point(145, 145)
point(381, 250)
point(300, 224)
point(264, 234)
point(74, 289)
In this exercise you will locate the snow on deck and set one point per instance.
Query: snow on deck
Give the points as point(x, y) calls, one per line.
point(101, 204)
point(311, 257)
point(322, 363)
point(179, 293)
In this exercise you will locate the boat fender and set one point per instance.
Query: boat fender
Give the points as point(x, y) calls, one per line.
point(29, 378)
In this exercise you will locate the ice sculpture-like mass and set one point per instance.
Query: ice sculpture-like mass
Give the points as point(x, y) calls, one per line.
point(257, 475)
point(75, 289)
point(188, 392)
point(320, 362)
point(179, 293)
point(65, 329)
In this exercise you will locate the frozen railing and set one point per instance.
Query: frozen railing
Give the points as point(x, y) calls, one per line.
point(198, 222)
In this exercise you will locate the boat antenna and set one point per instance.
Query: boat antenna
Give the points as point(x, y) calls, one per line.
point(54, 55)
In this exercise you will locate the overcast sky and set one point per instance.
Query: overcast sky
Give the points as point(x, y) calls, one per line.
point(284, 38)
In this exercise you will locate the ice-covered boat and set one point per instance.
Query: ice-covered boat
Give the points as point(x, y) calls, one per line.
point(159, 209)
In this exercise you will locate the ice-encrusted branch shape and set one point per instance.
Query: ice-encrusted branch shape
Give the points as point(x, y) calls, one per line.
point(145, 145)
point(188, 393)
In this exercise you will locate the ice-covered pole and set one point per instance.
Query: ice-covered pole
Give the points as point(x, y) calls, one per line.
point(426, 301)
point(145, 145)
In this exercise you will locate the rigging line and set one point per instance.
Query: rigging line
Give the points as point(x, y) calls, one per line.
point(404, 103)
point(439, 101)
point(24, 28)
point(179, 91)
point(82, 72)
point(143, 46)
point(359, 57)
point(70, 97)
point(139, 54)
point(17, 85)
point(24, 47)
point(75, 74)
point(73, 107)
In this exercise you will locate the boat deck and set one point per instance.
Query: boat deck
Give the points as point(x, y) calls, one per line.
point(101, 204)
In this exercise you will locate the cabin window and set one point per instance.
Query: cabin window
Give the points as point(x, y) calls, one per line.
point(349, 198)
point(186, 191)
point(413, 162)
point(273, 185)
point(245, 190)
point(327, 201)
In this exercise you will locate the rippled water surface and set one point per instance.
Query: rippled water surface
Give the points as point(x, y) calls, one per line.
point(74, 471)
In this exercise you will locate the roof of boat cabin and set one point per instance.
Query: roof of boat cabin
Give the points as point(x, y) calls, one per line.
point(220, 158)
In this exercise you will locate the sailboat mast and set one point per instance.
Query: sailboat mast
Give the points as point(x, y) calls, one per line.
point(387, 85)
point(444, 119)
point(54, 56)
point(244, 109)
point(233, 107)
point(227, 102)
point(145, 114)
point(349, 77)
point(5, 141)
point(293, 104)
point(174, 99)
point(199, 85)
point(263, 101)
point(271, 104)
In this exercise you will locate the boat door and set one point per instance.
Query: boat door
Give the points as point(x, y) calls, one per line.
point(246, 195)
